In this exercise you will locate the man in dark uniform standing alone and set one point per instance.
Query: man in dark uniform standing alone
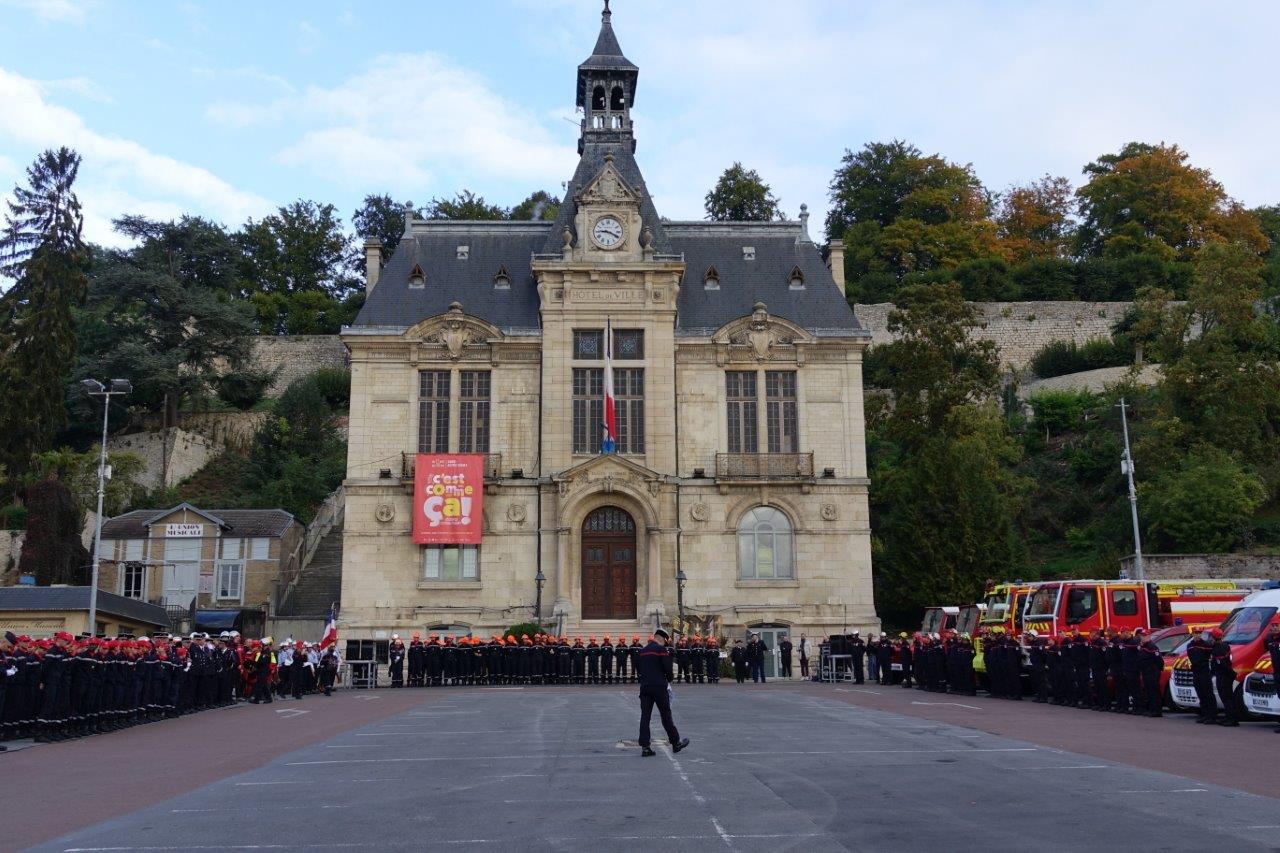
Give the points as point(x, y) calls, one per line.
point(654, 670)
point(784, 650)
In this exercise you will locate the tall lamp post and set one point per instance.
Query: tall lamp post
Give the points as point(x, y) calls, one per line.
point(681, 577)
point(118, 387)
point(539, 579)
point(1126, 467)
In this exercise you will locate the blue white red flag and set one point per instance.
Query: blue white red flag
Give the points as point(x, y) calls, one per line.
point(610, 444)
point(330, 630)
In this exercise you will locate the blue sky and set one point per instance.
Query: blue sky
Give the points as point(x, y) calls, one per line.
point(229, 109)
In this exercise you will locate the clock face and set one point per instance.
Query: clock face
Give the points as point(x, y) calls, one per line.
point(607, 232)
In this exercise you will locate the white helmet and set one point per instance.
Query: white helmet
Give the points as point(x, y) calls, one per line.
point(1032, 634)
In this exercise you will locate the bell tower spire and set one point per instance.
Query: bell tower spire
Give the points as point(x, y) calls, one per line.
point(606, 89)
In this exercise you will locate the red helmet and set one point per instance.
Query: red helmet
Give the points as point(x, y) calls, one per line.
point(1216, 633)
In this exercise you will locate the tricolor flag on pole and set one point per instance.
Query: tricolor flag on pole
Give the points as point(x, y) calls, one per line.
point(330, 631)
point(610, 425)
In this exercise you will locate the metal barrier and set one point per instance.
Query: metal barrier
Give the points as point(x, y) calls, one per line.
point(361, 674)
point(832, 668)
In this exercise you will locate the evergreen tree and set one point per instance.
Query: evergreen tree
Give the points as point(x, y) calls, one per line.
point(43, 252)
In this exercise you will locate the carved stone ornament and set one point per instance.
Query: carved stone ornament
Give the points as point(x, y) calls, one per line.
point(455, 333)
point(699, 512)
point(830, 512)
point(517, 513)
point(760, 334)
point(385, 513)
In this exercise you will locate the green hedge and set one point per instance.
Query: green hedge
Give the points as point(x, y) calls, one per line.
point(1060, 358)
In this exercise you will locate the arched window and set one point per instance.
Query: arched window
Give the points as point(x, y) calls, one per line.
point(712, 279)
point(765, 545)
point(417, 278)
point(616, 99)
point(597, 99)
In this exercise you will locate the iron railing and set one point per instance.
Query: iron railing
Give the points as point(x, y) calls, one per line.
point(492, 465)
point(763, 466)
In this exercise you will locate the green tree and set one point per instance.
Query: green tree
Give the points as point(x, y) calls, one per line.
point(42, 250)
point(1205, 505)
point(52, 551)
point(1269, 220)
point(1147, 199)
point(146, 321)
point(935, 364)
point(297, 457)
point(382, 217)
point(79, 471)
point(741, 195)
point(540, 206)
point(466, 205)
point(301, 247)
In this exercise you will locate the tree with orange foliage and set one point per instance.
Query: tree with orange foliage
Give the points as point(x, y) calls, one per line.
point(1035, 220)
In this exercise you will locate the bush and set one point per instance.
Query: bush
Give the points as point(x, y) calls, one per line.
point(1266, 531)
point(243, 389)
point(13, 517)
point(1060, 358)
point(1059, 411)
point(334, 384)
point(530, 628)
point(986, 280)
point(1046, 279)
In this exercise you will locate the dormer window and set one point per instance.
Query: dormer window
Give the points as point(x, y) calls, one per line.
point(502, 281)
point(417, 278)
point(711, 281)
point(464, 252)
point(748, 253)
point(797, 279)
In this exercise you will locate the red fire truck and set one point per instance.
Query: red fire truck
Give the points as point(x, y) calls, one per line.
point(939, 620)
point(1056, 607)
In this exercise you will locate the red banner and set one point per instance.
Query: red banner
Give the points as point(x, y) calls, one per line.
point(448, 498)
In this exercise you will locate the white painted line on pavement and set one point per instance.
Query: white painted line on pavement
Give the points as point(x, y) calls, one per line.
point(436, 732)
point(957, 704)
point(875, 751)
point(1066, 767)
point(1165, 791)
point(445, 758)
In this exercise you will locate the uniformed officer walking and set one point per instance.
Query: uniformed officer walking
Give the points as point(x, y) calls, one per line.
point(655, 672)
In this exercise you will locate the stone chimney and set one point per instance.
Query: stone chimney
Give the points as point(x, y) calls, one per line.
point(372, 263)
point(836, 249)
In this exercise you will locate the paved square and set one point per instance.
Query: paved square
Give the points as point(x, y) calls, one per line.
point(770, 768)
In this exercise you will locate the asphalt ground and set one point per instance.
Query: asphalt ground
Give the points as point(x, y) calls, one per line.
point(775, 767)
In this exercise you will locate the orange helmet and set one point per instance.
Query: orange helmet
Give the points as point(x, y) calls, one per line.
point(635, 638)
point(606, 638)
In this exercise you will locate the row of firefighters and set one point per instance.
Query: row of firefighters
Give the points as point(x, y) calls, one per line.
point(1117, 671)
point(67, 686)
point(540, 659)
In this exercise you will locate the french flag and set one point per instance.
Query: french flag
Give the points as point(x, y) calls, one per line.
point(330, 630)
point(610, 444)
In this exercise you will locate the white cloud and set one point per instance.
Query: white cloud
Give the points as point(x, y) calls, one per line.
point(82, 86)
point(118, 175)
point(63, 11)
point(407, 119)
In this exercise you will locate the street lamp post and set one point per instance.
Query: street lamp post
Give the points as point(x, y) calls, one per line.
point(1126, 467)
point(539, 579)
point(680, 579)
point(106, 392)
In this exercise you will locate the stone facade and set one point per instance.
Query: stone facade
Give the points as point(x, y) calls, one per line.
point(1019, 329)
point(679, 499)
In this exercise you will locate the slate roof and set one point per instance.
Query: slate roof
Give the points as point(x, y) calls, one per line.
point(77, 598)
point(607, 52)
point(434, 247)
point(242, 523)
point(589, 165)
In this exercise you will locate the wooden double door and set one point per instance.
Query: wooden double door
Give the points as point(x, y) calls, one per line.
point(609, 565)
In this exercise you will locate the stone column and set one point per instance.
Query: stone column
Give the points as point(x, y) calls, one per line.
point(561, 551)
point(654, 605)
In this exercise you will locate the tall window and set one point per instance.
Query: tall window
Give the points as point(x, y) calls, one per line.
point(764, 545)
point(433, 411)
point(588, 409)
point(628, 390)
point(780, 391)
point(230, 580)
point(451, 562)
point(473, 412)
point(133, 580)
point(741, 396)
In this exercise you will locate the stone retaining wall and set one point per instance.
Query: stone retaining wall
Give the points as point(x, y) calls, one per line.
point(1161, 566)
point(292, 357)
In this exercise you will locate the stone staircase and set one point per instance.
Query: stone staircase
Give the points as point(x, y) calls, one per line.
point(320, 582)
point(612, 627)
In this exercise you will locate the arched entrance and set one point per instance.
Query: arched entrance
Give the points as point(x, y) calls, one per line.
point(608, 564)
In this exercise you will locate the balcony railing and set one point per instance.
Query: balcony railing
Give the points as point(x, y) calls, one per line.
point(492, 465)
point(763, 466)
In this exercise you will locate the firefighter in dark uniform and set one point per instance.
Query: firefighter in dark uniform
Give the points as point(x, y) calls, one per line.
point(606, 660)
point(593, 661)
point(1199, 656)
point(329, 669)
point(1129, 664)
point(395, 656)
point(1098, 672)
point(263, 660)
point(633, 656)
point(53, 686)
point(738, 657)
point(1039, 667)
point(620, 660)
point(784, 652)
point(857, 648)
point(681, 655)
point(1224, 678)
point(1150, 665)
point(712, 655)
point(416, 660)
point(579, 656)
point(432, 661)
point(655, 675)
point(1078, 653)
point(905, 657)
point(1115, 669)
point(697, 660)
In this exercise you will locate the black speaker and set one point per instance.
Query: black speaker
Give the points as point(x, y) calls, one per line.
point(839, 644)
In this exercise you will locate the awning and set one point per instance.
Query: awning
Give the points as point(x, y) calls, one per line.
point(218, 620)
